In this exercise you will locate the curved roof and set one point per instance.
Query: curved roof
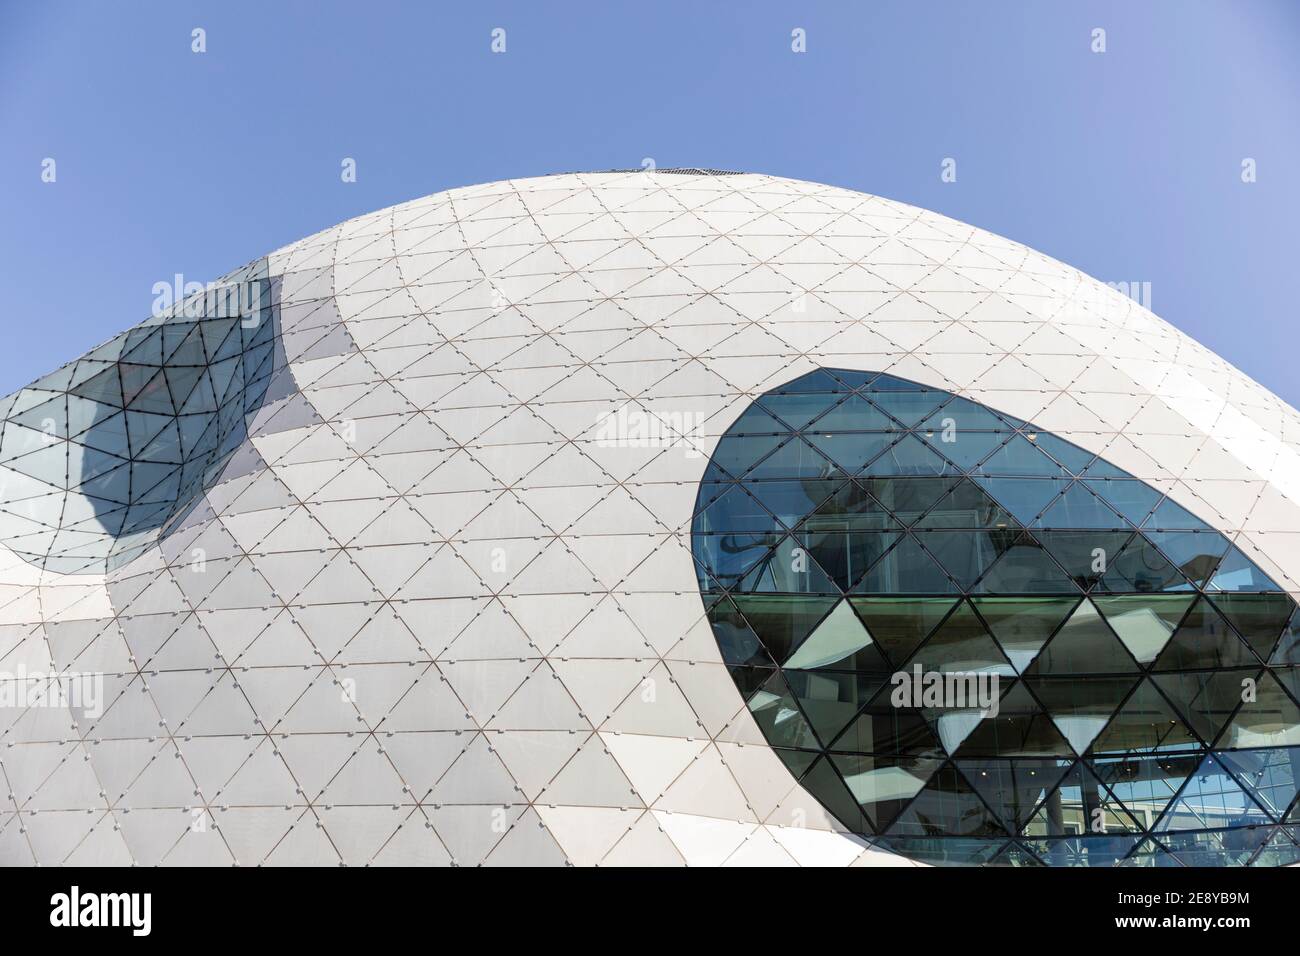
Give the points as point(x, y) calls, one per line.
point(419, 487)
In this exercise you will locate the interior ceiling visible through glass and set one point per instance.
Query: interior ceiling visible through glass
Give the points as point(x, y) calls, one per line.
point(853, 526)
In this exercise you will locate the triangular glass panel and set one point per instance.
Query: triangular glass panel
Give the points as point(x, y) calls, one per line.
point(1271, 776)
point(882, 728)
point(825, 781)
point(1023, 497)
point(782, 622)
point(183, 345)
point(854, 414)
point(1020, 728)
point(850, 508)
point(151, 396)
point(105, 387)
point(1205, 700)
point(1084, 555)
point(1080, 706)
point(1022, 626)
point(711, 490)
point(883, 785)
point(1288, 646)
point(1259, 618)
point(831, 699)
point(962, 645)
point(723, 559)
point(49, 419)
point(1074, 458)
point(1145, 724)
point(908, 457)
point(165, 448)
point(1171, 516)
point(1145, 784)
point(851, 451)
point(789, 501)
point(1211, 798)
point(795, 459)
point(963, 415)
point(1288, 677)
point(899, 625)
point(965, 554)
point(737, 457)
point(736, 640)
point(1079, 508)
point(1083, 645)
point(816, 381)
point(1141, 568)
point(1020, 458)
point(789, 569)
point(749, 680)
point(906, 569)
point(965, 449)
point(1081, 804)
point(967, 506)
point(1131, 498)
point(1204, 640)
point(797, 761)
point(1279, 850)
point(796, 409)
point(142, 428)
point(1025, 568)
point(1269, 718)
point(846, 556)
point(1144, 622)
point(1012, 788)
point(757, 420)
point(1194, 553)
point(1090, 851)
point(909, 407)
point(181, 382)
point(907, 499)
point(840, 640)
point(949, 806)
point(144, 347)
point(1236, 572)
point(778, 716)
point(735, 511)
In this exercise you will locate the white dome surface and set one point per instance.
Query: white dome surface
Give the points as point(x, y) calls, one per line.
point(428, 613)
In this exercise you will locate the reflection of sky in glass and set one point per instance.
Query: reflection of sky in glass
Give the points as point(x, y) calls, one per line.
point(100, 454)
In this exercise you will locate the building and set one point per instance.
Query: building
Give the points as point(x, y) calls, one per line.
point(650, 518)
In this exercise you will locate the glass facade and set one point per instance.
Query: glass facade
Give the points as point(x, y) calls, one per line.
point(102, 453)
point(854, 529)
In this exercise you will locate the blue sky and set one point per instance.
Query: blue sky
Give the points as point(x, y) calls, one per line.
point(1126, 164)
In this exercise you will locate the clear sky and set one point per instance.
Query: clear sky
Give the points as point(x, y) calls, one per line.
point(1126, 164)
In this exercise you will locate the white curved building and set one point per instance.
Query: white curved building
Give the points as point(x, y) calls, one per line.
point(416, 559)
